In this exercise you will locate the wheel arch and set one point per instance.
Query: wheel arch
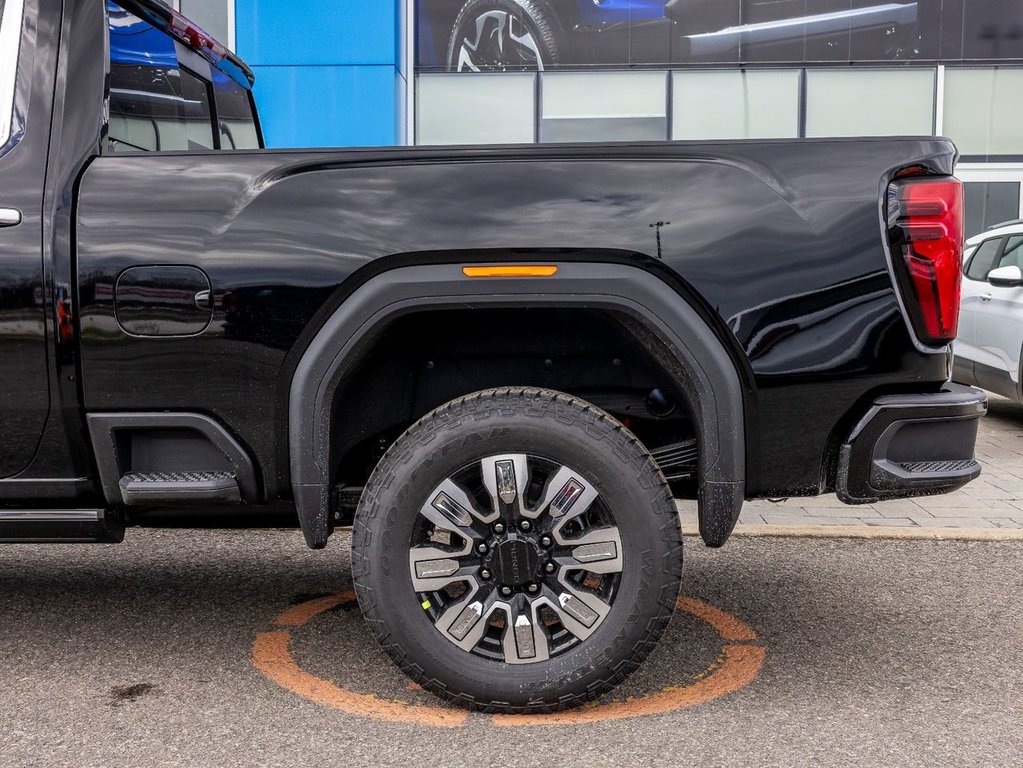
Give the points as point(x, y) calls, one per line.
point(708, 377)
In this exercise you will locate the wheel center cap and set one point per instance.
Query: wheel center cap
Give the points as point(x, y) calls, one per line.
point(515, 561)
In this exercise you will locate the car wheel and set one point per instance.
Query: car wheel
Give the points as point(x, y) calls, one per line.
point(517, 550)
point(501, 35)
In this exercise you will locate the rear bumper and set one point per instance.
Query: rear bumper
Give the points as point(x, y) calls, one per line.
point(912, 445)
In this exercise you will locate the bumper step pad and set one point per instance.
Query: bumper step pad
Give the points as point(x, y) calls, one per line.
point(942, 467)
point(911, 445)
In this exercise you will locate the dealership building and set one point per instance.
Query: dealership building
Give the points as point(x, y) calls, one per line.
point(385, 72)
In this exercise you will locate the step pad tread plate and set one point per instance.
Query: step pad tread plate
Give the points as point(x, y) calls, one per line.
point(951, 465)
point(182, 486)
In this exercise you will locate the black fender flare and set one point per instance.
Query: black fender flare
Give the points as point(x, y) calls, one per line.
point(706, 374)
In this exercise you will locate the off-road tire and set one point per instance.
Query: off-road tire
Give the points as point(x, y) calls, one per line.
point(539, 422)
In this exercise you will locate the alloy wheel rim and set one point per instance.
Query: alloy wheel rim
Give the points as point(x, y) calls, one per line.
point(497, 40)
point(515, 558)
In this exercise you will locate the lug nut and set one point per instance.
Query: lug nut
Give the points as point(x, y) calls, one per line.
point(481, 548)
point(545, 541)
point(532, 589)
point(498, 527)
point(484, 574)
point(550, 568)
point(506, 591)
point(525, 525)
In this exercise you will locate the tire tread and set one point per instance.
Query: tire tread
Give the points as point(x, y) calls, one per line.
point(530, 402)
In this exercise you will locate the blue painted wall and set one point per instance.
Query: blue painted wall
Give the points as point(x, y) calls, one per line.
point(328, 72)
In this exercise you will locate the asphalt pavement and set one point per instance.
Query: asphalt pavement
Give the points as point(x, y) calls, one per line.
point(240, 648)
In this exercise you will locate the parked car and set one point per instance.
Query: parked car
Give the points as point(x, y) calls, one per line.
point(987, 350)
point(498, 364)
point(487, 35)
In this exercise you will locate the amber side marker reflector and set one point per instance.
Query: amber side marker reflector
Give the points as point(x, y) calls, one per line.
point(511, 270)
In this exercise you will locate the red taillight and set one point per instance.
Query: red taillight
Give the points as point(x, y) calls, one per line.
point(925, 219)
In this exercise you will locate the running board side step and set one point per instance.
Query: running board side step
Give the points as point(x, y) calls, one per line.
point(67, 526)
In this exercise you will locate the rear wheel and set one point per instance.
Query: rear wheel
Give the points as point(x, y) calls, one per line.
point(517, 550)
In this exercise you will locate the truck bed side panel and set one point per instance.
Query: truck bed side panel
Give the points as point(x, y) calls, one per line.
point(780, 242)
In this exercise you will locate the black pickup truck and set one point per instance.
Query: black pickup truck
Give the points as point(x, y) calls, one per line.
point(500, 365)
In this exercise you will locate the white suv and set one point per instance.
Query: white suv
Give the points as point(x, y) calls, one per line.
point(990, 340)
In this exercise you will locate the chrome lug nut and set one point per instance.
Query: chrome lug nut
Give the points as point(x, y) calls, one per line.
point(484, 574)
point(549, 568)
point(532, 589)
point(525, 525)
point(506, 591)
point(545, 541)
point(481, 548)
point(498, 527)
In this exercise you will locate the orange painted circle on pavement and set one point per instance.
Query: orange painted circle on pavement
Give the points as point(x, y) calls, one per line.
point(738, 665)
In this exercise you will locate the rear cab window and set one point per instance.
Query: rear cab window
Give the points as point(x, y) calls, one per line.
point(165, 96)
point(235, 115)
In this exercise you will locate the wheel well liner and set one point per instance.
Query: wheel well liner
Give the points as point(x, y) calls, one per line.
point(706, 374)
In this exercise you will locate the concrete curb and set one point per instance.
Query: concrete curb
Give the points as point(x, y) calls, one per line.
point(878, 532)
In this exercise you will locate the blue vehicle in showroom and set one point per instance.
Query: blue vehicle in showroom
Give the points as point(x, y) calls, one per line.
point(486, 35)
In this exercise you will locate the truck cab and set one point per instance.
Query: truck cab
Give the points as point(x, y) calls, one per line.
point(168, 86)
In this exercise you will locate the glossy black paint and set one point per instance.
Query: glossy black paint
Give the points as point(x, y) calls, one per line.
point(163, 300)
point(777, 244)
point(24, 398)
point(788, 262)
point(63, 464)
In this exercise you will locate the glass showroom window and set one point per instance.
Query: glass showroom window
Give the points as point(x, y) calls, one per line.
point(870, 102)
point(475, 108)
point(603, 106)
point(214, 16)
point(992, 193)
point(760, 104)
point(990, 203)
point(983, 111)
